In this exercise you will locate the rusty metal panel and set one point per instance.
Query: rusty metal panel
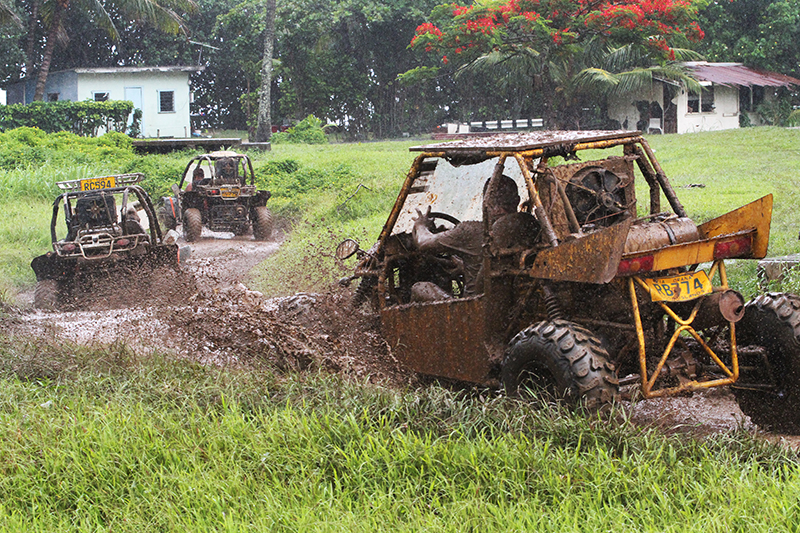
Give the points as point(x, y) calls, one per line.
point(456, 191)
point(590, 259)
point(525, 141)
point(443, 339)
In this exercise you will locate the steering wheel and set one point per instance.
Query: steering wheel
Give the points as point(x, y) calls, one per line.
point(433, 215)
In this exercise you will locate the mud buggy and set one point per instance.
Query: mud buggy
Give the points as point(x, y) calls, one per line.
point(110, 245)
point(219, 193)
point(586, 291)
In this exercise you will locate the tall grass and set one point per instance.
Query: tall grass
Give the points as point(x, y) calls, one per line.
point(106, 440)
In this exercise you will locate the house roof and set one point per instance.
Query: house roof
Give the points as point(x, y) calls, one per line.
point(738, 74)
point(134, 70)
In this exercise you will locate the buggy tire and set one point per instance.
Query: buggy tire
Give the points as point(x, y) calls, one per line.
point(570, 360)
point(192, 224)
point(262, 223)
point(364, 292)
point(772, 321)
point(45, 295)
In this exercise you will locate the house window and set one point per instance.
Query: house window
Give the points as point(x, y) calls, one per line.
point(100, 96)
point(750, 98)
point(52, 97)
point(702, 102)
point(166, 100)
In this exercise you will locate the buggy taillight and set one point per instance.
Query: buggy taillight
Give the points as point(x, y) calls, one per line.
point(733, 248)
point(635, 265)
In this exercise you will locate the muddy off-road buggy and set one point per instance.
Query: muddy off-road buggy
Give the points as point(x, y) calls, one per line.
point(602, 296)
point(219, 193)
point(110, 239)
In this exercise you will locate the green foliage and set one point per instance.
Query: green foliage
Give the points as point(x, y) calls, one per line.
point(310, 130)
point(776, 112)
point(81, 118)
point(24, 148)
point(760, 33)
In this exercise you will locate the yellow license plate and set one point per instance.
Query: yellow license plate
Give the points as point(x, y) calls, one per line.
point(229, 193)
point(680, 288)
point(94, 184)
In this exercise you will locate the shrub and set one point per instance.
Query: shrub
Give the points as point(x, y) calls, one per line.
point(308, 131)
point(82, 118)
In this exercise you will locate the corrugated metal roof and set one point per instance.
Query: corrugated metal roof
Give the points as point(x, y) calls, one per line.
point(738, 74)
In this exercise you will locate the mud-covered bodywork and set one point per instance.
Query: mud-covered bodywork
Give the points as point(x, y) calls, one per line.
point(102, 229)
point(645, 282)
point(217, 190)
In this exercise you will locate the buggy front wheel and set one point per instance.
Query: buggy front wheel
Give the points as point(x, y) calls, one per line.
point(563, 358)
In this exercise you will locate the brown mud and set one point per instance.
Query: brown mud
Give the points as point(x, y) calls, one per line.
point(226, 323)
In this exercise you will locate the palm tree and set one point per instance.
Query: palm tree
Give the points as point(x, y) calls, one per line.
point(7, 14)
point(264, 128)
point(162, 15)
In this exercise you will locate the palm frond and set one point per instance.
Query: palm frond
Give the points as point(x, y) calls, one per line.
point(7, 14)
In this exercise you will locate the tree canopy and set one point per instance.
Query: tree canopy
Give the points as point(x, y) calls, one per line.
point(759, 33)
point(552, 43)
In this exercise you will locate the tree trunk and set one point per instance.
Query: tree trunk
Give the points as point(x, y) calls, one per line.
point(30, 60)
point(264, 129)
point(47, 57)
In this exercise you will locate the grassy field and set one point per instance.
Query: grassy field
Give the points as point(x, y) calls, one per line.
point(104, 441)
point(99, 439)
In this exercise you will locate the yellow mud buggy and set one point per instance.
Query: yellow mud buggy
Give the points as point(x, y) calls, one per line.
point(606, 291)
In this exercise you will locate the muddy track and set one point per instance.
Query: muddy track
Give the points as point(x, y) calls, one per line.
point(225, 322)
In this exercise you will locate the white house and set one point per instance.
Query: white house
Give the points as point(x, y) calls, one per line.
point(162, 93)
point(731, 93)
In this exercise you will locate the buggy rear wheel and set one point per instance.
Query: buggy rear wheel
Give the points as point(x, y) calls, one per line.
point(565, 358)
point(192, 224)
point(262, 223)
point(771, 321)
point(45, 295)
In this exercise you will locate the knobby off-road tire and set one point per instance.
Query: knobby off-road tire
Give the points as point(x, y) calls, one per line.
point(772, 321)
point(566, 357)
point(45, 295)
point(364, 292)
point(192, 224)
point(262, 223)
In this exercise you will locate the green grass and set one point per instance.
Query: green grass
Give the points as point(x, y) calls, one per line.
point(109, 441)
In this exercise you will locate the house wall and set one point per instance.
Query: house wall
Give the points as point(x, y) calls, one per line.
point(724, 116)
point(155, 123)
point(624, 110)
point(82, 86)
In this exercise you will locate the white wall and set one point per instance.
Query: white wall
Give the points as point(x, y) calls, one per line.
point(154, 122)
point(724, 116)
point(623, 109)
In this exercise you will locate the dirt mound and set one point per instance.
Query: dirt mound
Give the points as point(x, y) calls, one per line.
point(300, 332)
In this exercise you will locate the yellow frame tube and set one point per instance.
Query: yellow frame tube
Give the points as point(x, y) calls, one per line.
point(648, 381)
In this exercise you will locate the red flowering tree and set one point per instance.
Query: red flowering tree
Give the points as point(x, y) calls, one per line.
point(567, 49)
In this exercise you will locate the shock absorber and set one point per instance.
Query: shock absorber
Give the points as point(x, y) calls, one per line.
point(551, 304)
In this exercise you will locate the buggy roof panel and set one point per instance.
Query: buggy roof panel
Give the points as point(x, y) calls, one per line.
point(519, 142)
